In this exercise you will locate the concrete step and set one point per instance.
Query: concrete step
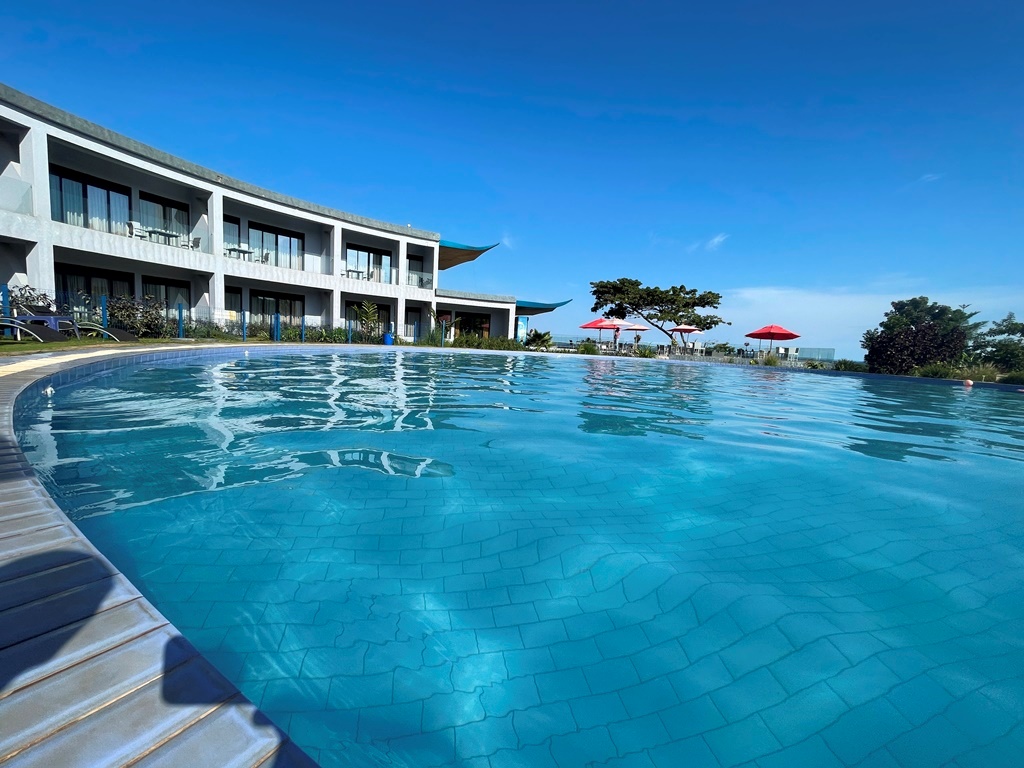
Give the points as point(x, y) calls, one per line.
point(132, 726)
point(235, 734)
point(43, 616)
point(52, 581)
point(36, 541)
point(50, 653)
point(31, 716)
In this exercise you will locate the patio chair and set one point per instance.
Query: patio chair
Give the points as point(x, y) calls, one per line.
point(193, 245)
point(39, 332)
point(136, 230)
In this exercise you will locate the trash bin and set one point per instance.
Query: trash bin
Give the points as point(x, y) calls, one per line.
point(389, 339)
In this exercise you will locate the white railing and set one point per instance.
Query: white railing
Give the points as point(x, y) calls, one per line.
point(15, 195)
point(420, 279)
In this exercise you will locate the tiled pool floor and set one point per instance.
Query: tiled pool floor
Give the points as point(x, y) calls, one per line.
point(497, 597)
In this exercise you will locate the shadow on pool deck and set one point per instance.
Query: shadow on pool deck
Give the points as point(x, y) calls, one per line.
point(90, 675)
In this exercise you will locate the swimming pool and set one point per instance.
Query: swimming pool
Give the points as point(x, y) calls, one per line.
point(417, 558)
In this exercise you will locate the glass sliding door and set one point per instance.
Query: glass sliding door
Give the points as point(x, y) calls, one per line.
point(369, 264)
point(276, 247)
point(166, 220)
point(83, 201)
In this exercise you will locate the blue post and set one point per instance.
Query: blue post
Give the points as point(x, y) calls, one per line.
point(303, 329)
point(349, 324)
point(243, 325)
point(443, 326)
point(277, 326)
point(181, 321)
point(103, 310)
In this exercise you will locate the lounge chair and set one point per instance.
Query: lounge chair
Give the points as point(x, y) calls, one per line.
point(38, 332)
point(114, 333)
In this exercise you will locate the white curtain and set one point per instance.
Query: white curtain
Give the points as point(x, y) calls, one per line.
point(119, 213)
point(74, 205)
point(178, 221)
point(230, 234)
point(152, 215)
point(99, 215)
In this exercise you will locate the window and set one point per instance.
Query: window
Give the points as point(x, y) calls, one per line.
point(368, 264)
point(473, 322)
point(170, 293)
point(82, 290)
point(383, 313)
point(276, 247)
point(233, 299)
point(83, 201)
point(264, 305)
point(232, 233)
point(166, 220)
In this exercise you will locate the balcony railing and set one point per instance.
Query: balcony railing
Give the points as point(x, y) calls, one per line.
point(15, 195)
point(420, 279)
point(307, 262)
point(373, 274)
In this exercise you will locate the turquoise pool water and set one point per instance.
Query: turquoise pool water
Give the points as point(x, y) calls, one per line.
point(414, 559)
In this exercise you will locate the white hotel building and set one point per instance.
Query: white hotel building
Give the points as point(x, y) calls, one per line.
point(86, 211)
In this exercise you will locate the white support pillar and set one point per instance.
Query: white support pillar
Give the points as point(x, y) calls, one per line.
point(336, 260)
point(403, 263)
point(39, 266)
point(336, 310)
point(35, 169)
point(215, 216)
point(400, 315)
point(217, 295)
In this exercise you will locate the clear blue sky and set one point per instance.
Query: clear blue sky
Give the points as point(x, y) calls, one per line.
point(811, 161)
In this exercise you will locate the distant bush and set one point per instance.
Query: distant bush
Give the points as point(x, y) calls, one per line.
point(770, 360)
point(936, 371)
point(587, 348)
point(981, 372)
point(814, 365)
point(645, 350)
point(475, 341)
point(851, 366)
point(1017, 377)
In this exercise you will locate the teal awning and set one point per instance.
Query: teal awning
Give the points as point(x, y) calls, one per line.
point(530, 308)
point(452, 254)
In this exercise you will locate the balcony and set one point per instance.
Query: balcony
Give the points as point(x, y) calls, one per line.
point(420, 280)
point(15, 195)
point(373, 274)
point(301, 262)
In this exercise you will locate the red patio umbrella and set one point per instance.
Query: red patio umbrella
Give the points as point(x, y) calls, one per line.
point(773, 333)
point(600, 324)
point(685, 330)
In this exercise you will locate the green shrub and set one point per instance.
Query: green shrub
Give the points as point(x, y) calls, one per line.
point(538, 339)
point(645, 350)
point(587, 348)
point(771, 360)
point(936, 371)
point(980, 372)
point(291, 334)
point(852, 366)
point(1017, 377)
point(475, 341)
point(814, 365)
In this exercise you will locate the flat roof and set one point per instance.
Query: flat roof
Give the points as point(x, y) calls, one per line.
point(446, 293)
point(51, 114)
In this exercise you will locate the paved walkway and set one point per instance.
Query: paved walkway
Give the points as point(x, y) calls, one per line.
point(90, 672)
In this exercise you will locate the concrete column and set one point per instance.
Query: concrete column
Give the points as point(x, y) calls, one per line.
point(217, 295)
point(400, 315)
point(336, 257)
point(403, 264)
point(336, 308)
point(35, 169)
point(215, 215)
point(430, 265)
point(39, 266)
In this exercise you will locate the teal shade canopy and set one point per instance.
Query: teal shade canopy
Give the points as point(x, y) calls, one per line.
point(530, 308)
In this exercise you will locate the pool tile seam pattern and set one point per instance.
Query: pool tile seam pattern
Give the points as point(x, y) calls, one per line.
point(90, 672)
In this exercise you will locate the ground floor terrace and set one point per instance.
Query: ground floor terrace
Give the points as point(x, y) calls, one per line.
point(198, 288)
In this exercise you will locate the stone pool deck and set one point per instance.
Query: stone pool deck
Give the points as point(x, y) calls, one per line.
point(90, 672)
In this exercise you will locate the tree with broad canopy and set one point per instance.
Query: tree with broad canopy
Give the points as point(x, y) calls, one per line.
point(663, 308)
